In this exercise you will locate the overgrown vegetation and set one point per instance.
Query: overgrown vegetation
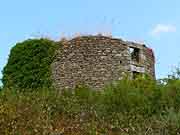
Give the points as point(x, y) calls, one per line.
point(131, 107)
point(30, 106)
point(29, 64)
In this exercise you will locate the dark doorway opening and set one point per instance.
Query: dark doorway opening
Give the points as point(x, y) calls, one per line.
point(136, 74)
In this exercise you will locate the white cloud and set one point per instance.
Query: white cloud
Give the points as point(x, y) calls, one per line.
point(162, 28)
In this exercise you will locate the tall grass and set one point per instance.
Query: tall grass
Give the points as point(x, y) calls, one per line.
point(134, 107)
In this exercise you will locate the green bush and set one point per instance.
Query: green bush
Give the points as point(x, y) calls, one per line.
point(135, 107)
point(28, 66)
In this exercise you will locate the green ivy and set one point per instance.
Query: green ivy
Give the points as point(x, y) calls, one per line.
point(29, 64)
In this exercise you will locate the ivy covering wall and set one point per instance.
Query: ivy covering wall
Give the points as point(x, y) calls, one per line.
point(29, 64)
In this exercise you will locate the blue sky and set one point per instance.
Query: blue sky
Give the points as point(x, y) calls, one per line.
point(154, 22)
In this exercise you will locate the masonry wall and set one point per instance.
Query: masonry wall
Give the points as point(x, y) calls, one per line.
point(95, 61)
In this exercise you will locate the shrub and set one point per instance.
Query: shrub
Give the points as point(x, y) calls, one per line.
point(28, 66)
point(128, 107)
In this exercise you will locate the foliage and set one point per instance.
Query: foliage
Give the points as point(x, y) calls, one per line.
point(30, 106)
point(29, 64)
point(137, 107)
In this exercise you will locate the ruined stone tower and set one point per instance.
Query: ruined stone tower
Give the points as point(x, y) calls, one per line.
point(98, 60)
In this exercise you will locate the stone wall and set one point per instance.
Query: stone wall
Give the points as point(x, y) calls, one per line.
point(97, 61)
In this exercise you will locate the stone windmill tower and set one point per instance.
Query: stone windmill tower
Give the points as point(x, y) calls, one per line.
point(98, 60)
